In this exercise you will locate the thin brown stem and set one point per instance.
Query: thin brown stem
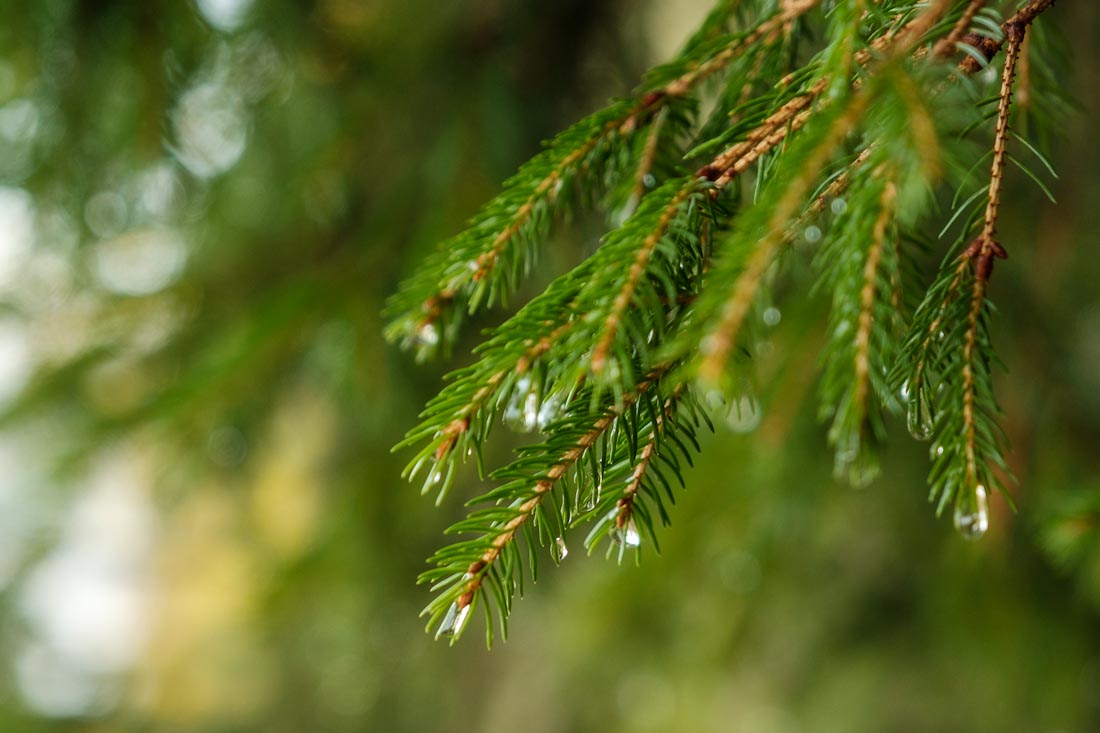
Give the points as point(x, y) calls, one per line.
point(985, 247)
point(526, 510)
point(1019, 21)
point(454, 429)
point(718, 344)
point(634, 276)
point(946, 45)
point(867, 295)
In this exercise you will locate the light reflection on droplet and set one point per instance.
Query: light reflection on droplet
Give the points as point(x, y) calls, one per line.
point(838, 206)
point(549, 410)
point(428, 334)
point(812, 234)
point(772, 316)
point(454, 621)
point(972, 513)
point(919, 418)
point(631, 536)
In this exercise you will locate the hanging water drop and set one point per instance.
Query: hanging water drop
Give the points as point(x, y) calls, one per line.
point(631, 537)
point(972, 513)
point(522, 412)
point(512, 416)
point(839, 206)
point(812, 234)
point(434, 479)
point(549, 410)
point(919, 419)
point(744, 415)
point(454, 621)
point(559, 550)
point(531, 412)
point(772, 316)
point(649, 180)
point(428, 334)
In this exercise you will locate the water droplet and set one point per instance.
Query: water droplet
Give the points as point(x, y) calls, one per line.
point(972, 513)
point(839, 206)
point(531, 411)
point(744, 415)
point(812, 234)
point(548, 410)
point(905, 390)
point(628, 534)
point(631, 538)
point(434, 479)
point(512, 416)
point(649, 180)
point(856, 464)
point(522, 412)
point(454, 620)
point(772, 316)
point(559, 550)
point(428, 334)
point(919, 419)
point(714, 399)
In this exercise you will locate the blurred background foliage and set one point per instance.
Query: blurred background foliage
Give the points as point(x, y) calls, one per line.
point(202, 208)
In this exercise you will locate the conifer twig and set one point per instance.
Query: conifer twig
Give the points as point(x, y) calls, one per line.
point(985, 247)
point(868, 293)
point(946, 45)
point(1020, 20)
point(523, 513)
point(548, 188)
point(719, 342)
point(634, 276)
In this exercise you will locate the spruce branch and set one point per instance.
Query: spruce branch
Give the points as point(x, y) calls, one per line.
point(645, 485)
point(718, 339)
point(493, 556)
point(625, 294)
point(946, 45)
point(989, 46)
point(860, 265)
point(483, 264)
point(604, 360)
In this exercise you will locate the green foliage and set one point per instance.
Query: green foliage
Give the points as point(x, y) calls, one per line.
point(200, 527)
point(853, 109)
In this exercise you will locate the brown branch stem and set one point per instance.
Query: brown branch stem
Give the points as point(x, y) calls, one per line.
point(1019, 22)
point(476, 571)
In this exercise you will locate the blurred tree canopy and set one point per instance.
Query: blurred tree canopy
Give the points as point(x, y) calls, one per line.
point(202, 209)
